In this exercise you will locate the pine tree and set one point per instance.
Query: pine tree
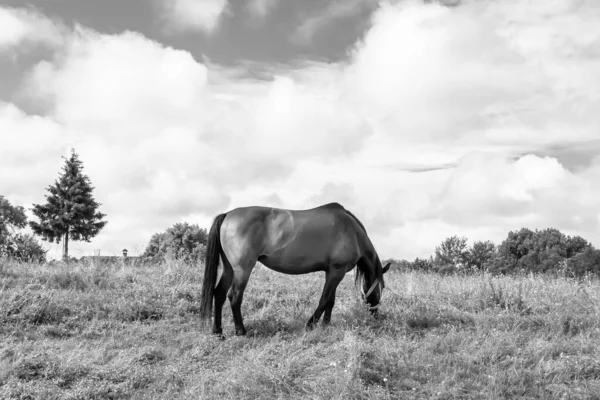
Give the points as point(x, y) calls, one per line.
point(70, 211)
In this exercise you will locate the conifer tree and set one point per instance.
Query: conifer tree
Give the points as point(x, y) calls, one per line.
point(70, 211)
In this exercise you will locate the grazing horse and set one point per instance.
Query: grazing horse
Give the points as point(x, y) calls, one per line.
point(327, 238)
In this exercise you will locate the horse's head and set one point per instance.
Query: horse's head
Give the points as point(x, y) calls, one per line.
point(372, 287)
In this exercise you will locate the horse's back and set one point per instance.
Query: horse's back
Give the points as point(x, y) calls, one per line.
point(331, 218)
point(293, 241)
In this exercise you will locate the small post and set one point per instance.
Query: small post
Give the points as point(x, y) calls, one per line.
point(124, 260)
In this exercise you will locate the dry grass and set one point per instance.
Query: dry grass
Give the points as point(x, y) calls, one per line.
point(108, 332)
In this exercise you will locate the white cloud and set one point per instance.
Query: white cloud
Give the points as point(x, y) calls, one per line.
point(121, 75)
point(447, 73)
point(432, 72)
point(166, 138)
point(26, 141)
point(487, 186)
point(26, 27)
point(440, 83)
point(488, 195)
point(193, 15)
point(158, 139)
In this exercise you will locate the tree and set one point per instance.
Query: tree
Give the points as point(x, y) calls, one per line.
point(584, 262)
point(15, 245)
point(537, 251)
point(516, 246)
point(71, 212)
point(11, 217)
point(182, 241)
point(576, 245)
point(498, 264)
point(452, 251)
point(422, 264)
point(25, 248)
point(481, 253)
point(550, 240)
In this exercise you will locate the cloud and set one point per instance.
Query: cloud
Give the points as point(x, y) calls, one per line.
point(466, 73)
point(164, 96)
point(27, 27)
point(486, 192)
point(574, 156)
point(470, 86)
point(160, 139)
point(490, 102)
point(335, 10)
point(26, 141)
point(487, 186)
point(191, 15)
point(160, 83)
point(430, 87)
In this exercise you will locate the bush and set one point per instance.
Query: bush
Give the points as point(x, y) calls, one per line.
point(24, 248)
point(182, 241)
point(586, 262)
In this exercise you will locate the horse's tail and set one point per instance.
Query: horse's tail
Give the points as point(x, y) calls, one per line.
point(211, 265)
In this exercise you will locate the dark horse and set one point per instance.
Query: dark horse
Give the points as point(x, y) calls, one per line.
point(327, 238)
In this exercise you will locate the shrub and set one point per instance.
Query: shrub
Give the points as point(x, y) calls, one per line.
point(182, 241)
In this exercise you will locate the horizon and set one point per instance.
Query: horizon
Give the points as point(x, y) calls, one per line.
point(426, 119)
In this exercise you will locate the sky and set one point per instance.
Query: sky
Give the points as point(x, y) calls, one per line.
point(426, 119)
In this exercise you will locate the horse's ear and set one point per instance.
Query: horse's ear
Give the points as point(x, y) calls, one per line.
point(387, 267)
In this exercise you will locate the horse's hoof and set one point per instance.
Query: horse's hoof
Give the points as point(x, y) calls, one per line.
point(240, 332)
point(219, 334)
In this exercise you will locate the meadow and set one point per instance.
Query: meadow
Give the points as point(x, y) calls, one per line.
point(132, 332)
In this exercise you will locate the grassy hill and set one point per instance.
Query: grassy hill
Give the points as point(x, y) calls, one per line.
point(116, 332)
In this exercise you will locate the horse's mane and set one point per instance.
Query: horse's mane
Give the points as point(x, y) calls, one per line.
point(357, 220)
point(360, 273)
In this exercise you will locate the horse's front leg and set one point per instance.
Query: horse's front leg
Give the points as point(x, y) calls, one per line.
point(333, 277)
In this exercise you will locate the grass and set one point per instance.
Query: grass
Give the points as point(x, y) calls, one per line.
point(114, 332)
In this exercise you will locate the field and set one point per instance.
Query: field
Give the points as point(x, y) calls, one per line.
point(116, 332)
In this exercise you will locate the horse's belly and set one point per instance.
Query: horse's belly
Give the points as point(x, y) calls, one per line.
point(291, 267)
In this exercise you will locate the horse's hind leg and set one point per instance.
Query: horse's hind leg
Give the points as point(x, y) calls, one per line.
point(241, 274)
point(333, 277)
point(220, 296)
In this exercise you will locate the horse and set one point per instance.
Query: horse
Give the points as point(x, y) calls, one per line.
point(327, 238)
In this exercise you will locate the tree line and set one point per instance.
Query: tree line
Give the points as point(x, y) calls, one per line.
point(523, 251)
point(71, 213)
